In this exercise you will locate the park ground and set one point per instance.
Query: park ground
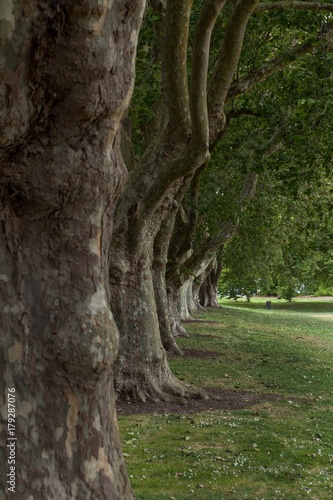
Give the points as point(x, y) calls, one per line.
point(265, 432)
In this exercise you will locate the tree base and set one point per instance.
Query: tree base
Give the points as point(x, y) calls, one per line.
point(165, 387)
point(174, 350)
point(178, 330)
point(214, 304)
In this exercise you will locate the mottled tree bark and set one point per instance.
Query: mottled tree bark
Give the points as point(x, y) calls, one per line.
point(177, 328)
point(209, 288)
point(179, 147)
point(66, 80)
point(142, 370)
point(161, 246)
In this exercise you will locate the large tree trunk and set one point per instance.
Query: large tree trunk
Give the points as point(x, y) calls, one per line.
point(60, 175)
point(185, 300)
point(161, 246)
point(60, 338)
point(178, 150)
point(203, 272)
point(177, 327)
point(142, 371)
point(183, 297)
point(209, 287)
point(164, 311)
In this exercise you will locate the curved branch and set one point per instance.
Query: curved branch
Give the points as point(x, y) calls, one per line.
point(174, 69)
point(185, 224)
point(229, 117)
point(294, 6)
point(200, 58)
point(197, 152)
point(227, 228)
point(171, 172)
point(256, 76)
point(228, 60)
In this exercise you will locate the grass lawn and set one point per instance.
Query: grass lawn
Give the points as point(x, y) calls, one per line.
point(273, 450)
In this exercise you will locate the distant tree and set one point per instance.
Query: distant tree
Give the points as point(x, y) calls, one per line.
point(277, 134)
point(285, 245)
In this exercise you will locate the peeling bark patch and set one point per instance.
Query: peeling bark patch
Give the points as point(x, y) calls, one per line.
point(98, 303)
point(56, 487)
point(96, 442)
point(15, 352)
point(24, 409)
point(97, 423)
point(107, 485)
point(74, 490)
point(94, 466)
point(71, 422)
point(96, 242)
point(34, 435)
point(59, 432)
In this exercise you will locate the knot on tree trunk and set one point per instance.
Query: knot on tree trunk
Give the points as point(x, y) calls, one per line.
point(85, 348)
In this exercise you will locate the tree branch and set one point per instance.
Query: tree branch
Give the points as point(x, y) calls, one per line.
point(240, 112)
point(294, 6)
point(171, 172)
point(197, 152)
point(256, 76)
point(174, 68)
point(185, 226)
point(200, 58)
point(227, 229)
point(227, 61)
point(230, 116)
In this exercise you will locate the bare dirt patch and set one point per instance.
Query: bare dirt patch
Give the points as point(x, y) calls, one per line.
point(219, 399)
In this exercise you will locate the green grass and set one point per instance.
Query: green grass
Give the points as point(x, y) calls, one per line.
point(275, 450)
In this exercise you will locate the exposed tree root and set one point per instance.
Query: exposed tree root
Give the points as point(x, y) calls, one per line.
point(165, 387)
point(178, 330)
point(174, 349)
point(214, 303)
point(169, 342)
point(198, 308)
